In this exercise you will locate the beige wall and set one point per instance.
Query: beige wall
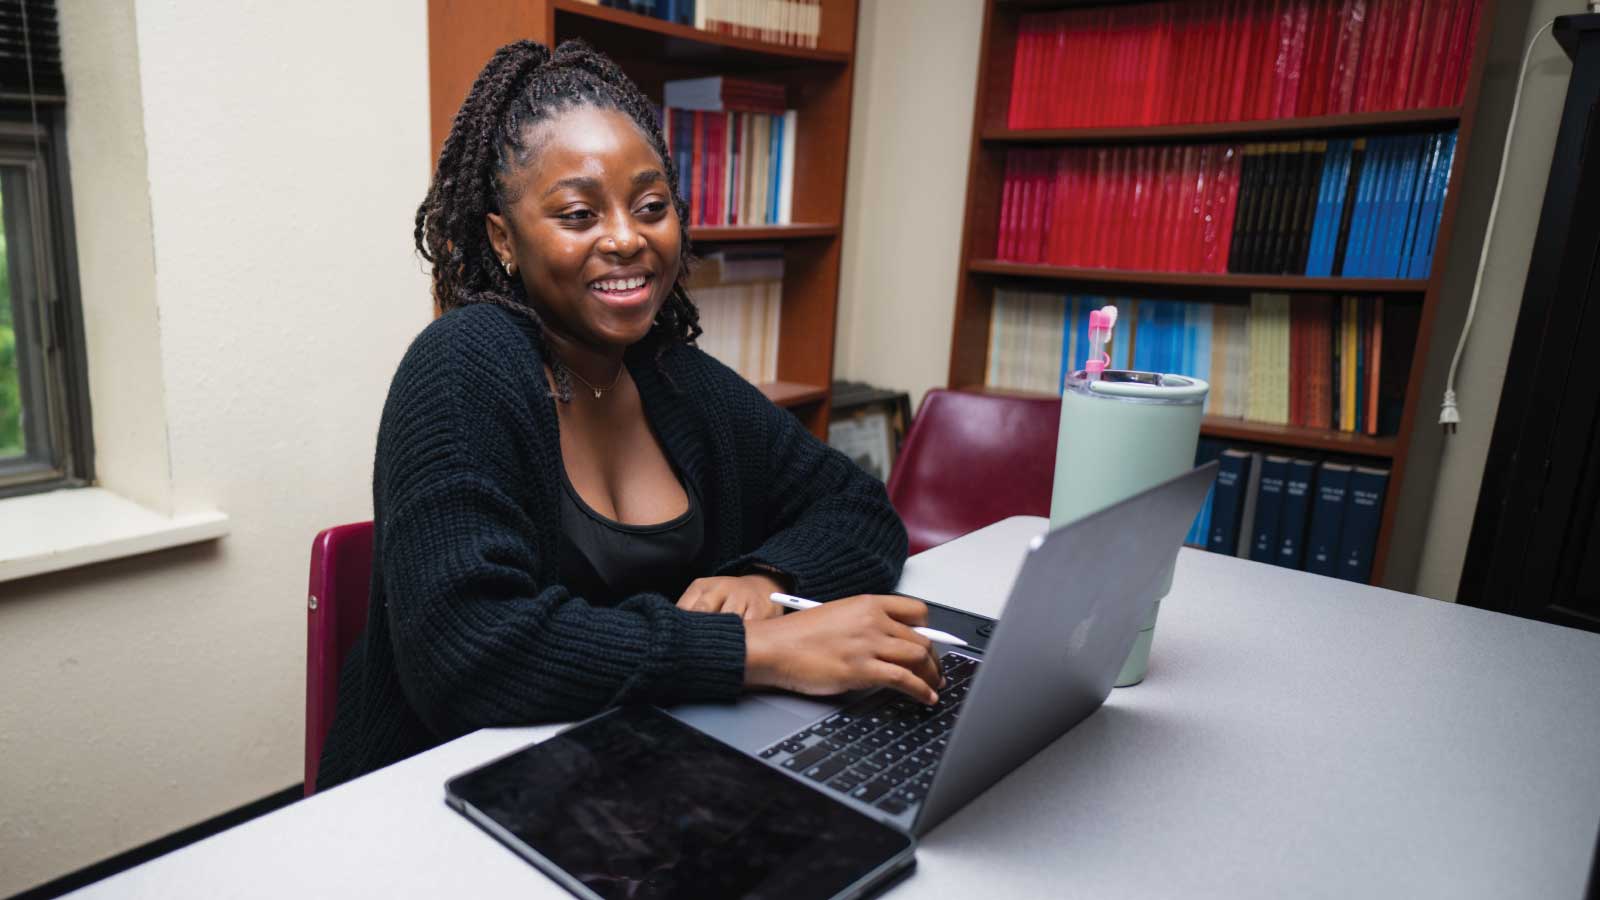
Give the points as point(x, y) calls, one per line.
point(1444, 522)
point(258, 238)
point(910, 139)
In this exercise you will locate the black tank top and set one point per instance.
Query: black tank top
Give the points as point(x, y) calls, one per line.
point(605, 561)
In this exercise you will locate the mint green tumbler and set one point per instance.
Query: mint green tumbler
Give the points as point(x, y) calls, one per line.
point(1121, 433)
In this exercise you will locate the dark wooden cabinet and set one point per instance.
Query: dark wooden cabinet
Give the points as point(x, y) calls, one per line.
point(1535, 545)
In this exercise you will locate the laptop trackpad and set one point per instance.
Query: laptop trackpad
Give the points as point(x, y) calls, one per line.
point(755, 720)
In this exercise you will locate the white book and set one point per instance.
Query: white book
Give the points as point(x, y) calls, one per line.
point(791, 120)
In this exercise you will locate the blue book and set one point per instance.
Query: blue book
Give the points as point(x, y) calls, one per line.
point(1325, 236)
point(1269, 509)
point(1435, 211)
point(1405, 207)
point(683, 149)
point(1228, 501)
point(1371, 165)
point(1206, 450)
point(1319, 221)
point(1122, 335)
point(1296, 512)
point(775, 176)
point(1147, 336)
point(1417, 241)
point(1383, 204)
point(686, 12)
point(1069, 344)
point(1419, 201)
point(1327, 519)
point(1363, 513)
point(1197, 327)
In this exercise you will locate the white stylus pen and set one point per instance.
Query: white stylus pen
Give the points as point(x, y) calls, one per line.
point(789, 601)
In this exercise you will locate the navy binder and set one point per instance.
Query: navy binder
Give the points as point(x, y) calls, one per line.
point(1359, 534)
point(1269, 509)
point(1227, 501)
point(1297, 495)
point(1327, 519)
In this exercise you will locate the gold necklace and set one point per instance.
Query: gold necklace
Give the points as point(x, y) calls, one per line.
point(598, 391)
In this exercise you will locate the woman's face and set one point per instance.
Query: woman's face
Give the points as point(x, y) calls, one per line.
point(592, 230)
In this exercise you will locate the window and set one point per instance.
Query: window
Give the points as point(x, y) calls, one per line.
point(44, 409)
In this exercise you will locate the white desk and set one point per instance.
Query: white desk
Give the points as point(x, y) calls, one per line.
point(1297, 735)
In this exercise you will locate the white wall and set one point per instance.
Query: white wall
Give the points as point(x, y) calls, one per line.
point(911, 131)
point(285, 149)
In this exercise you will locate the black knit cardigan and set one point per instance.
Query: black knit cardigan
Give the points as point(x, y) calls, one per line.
point(467, 625)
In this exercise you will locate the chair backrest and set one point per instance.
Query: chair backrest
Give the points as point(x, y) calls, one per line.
point(972, 459)
point(336, 611)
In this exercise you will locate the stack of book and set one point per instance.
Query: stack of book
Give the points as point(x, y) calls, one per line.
point(1168, 208)
point(1358, 208)
point(792, 23)
point(1262, 59)
point(1313, 361)
point(1318, 516)
point(739, 293)
point(735, 147)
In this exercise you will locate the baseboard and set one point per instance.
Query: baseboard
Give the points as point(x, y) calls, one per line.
point(161, 846)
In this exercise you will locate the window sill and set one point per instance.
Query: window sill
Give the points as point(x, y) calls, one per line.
point(65, 529)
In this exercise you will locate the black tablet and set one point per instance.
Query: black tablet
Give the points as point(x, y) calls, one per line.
point(635, 804)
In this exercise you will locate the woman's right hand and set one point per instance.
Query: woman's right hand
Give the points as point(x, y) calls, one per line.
point(859, 642)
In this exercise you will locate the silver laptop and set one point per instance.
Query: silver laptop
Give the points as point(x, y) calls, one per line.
point(1071, 619)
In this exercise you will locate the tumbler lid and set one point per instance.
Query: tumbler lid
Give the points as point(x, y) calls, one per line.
point(1121, 384)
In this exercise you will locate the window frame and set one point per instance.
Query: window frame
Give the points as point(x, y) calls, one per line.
point(64, 457)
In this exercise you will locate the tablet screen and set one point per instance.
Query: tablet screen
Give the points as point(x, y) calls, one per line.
point(634, 804)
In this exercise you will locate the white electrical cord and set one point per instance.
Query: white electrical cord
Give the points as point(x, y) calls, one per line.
point(1449, 417)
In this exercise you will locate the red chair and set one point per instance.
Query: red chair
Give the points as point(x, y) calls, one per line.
point(336, 611)
point(973, 459)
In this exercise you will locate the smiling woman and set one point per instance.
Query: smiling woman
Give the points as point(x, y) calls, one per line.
point(541, 552)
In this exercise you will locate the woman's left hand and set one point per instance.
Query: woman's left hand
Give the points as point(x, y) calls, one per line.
point(744, 595)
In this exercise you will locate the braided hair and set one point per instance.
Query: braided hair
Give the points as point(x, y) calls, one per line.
point(522, 85)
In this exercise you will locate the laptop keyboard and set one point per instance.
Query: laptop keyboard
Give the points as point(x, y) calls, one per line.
point(883, 749)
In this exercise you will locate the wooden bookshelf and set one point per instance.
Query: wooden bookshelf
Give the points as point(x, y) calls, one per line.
point(981, 273)
point(463, 34)
point(1089, 277)
point(1321, 439)
point(1258, 129)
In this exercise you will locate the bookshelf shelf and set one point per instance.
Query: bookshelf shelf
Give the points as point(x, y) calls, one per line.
point(1340, 442)
point(789, 394)
point(982, 276)
point(1201, 279)
point(713, 234)
point(632, 33)
point(1254, 130)
point(464, 34)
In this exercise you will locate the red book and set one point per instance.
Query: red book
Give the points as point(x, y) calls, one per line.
point(1226, 199)
point(1266, 57)
point(1314, 81)
point(697, 162)
point(1283, 48)
point(1295, 20)
point(1042, 185)
point(1005, 229)
point(1015, 118)
point(1459, 17)
point(1082, 40)
point(1430, 54)
point(1370, 66)
point(1127, 66)
point(1070, 197)
point(1183, 200)
point(1220, 40)
point(1347, 72)
point(1180, 61)
point(1378, 66)
point(1057, 223)
point(1374, 363)
point(1194, 242)
point(1150, 204)
point(1239, 71)
point(1110, 211)
point(1057, 86)
point(1019, 248)
point(1026, 88)
point(1045, 93)
point(1410, 45)
point(1450, 87)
